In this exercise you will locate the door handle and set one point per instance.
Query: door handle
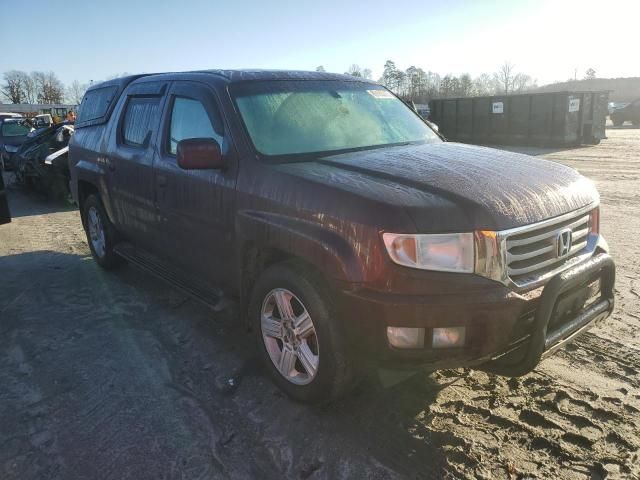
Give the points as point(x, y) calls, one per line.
point(161, 180)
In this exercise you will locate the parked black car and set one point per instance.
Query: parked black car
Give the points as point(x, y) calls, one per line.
point(13, 133)
point(349, 232)
point(628, 113)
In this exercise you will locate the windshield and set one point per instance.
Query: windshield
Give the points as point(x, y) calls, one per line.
point(14, 129)
point(298, 117)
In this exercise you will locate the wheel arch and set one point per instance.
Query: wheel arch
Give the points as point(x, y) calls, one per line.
point(269, 239)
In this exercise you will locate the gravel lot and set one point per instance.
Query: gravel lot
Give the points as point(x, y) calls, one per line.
point(117, 375)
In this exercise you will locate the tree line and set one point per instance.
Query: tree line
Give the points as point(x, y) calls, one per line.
point(39, 87)
point(420, 86)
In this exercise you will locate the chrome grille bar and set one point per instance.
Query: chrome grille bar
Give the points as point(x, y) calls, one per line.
point(531, 252)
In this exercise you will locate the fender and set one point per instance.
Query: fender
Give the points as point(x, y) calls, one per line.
point(325, 249)
point(95, 174)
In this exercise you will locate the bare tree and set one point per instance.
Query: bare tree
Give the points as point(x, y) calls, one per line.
point(13, 89)
point(354, 70)
point(504, 77)
point(484, 84)
point(522, 82)
point(49, 88)
point(75, 92)
point(590, 74)
point(30, 90)
point(366, 73)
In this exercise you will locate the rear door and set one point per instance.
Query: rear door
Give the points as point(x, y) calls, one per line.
point(196, 207)
point(132, 147)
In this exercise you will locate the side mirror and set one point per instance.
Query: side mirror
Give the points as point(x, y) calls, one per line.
point(200, 154)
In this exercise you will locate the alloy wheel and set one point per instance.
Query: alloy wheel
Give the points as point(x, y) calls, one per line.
point(96, 232)
point(289, 336)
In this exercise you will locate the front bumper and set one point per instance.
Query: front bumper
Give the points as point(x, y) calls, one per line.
point(506, 332)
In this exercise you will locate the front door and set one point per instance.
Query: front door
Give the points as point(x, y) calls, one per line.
point(195, 207)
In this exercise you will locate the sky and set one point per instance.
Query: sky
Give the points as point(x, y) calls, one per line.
point(92, 40)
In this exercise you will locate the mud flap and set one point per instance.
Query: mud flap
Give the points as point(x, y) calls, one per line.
point(543, 341)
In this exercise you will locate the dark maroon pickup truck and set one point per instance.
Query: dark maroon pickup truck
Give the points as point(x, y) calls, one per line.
point(350, 233)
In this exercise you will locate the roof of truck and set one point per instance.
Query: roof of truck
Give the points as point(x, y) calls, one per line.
point(232, 76)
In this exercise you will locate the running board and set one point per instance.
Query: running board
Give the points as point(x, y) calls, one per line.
point(212, 297)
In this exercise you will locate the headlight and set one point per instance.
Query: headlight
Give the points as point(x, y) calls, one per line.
point(446, 252)
point(11, 148)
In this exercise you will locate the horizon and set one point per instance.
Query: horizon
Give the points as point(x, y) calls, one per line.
point(171, 38)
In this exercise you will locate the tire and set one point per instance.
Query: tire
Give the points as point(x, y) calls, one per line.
point(101, 235)
point(318, 343)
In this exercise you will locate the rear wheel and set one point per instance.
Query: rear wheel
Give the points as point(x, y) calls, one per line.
point(300, 339)
point(101, 235)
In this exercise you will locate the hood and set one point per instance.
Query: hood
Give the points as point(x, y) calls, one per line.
point(450, 186)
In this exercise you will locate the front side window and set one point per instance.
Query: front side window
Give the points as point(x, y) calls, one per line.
point(141, 113)
point(303, 117)
point(189, 119)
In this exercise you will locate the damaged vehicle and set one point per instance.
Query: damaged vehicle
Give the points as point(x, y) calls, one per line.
point(41, 163)
point(350, 233)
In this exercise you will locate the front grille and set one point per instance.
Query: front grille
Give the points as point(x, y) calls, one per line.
point(533, 254)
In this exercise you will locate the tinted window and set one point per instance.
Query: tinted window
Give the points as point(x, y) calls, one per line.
point(189, 119)
point(140, 115)
point(95, 104)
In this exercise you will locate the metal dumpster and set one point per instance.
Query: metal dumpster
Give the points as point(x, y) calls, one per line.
point(541, 119)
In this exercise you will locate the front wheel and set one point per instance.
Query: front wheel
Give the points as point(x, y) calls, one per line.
point(300, 339)
point(101, 234)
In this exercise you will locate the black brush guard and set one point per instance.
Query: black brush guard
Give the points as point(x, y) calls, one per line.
point(542, 341)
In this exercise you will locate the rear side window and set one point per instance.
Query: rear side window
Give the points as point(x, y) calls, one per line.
point(189, 119)
point(95, 104)
point(139, 117)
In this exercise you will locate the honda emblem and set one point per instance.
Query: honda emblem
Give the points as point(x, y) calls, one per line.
point(563, 243)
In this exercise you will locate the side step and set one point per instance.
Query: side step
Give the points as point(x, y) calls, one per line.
point(210, 296)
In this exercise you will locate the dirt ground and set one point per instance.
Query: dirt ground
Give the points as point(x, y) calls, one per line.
point(119, 376)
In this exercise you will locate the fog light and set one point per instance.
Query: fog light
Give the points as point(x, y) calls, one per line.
point(405, 337)
point(448, 337)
